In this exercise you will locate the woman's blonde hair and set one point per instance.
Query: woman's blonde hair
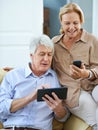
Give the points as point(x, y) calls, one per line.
point(68, 8)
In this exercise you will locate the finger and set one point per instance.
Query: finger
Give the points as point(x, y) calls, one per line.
point(49, 103)
point(49, 98)
point(83, 66)
point(52, 100)
point(45, 86)
point(46, 100)
point(75, 68)
point(55, 96)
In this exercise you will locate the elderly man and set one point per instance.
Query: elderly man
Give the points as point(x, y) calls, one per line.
point(19, 108)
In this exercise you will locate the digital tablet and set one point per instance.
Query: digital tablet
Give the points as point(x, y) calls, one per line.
point(60, 92)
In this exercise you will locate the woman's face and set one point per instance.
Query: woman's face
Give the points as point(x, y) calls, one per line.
point(71, 24)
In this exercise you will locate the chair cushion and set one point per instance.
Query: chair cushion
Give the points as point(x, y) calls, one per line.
point(1, 126)
point(2, 74)
point(56, 125)
point(75, 123)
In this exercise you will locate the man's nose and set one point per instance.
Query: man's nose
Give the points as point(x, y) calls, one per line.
point(46, 57)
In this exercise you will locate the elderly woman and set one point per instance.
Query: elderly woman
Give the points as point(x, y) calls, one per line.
point(75, 43)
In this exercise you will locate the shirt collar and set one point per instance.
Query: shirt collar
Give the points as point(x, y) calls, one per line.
point(84, 36)
point(29, 72)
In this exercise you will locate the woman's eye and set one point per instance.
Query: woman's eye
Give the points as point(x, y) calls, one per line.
point(75, 23)
point(67, 23)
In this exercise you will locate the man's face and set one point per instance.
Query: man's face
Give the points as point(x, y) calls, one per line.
point(41, 60)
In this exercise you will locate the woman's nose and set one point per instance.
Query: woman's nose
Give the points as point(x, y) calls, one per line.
point(71, 26)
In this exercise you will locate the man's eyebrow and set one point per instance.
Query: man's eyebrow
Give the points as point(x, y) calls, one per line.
point(46, 52)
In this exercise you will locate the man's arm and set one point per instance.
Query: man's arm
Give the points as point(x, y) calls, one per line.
point(22, 102)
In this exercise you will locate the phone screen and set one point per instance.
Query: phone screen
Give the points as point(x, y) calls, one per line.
point(77, 63)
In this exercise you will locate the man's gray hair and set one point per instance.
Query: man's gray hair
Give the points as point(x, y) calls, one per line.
point(41, 40)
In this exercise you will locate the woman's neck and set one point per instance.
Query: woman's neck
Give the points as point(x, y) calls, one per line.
point(68, 41)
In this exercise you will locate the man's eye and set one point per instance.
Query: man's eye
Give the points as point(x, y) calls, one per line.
point(42, 54)
point(50, 54)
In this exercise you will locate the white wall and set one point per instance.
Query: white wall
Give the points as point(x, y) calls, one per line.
point(90, 10)
point(95, 19)
point(87, 7)
point(19, 21)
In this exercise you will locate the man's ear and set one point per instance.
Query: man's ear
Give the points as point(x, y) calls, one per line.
point(31, 56)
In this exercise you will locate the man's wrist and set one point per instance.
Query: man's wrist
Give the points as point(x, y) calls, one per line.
point(60, 113)
point(65, 116)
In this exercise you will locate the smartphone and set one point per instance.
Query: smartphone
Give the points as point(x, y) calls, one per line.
point(77, 63)
point(60, 92)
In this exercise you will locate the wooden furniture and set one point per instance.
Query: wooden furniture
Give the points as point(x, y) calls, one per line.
point(46, 21)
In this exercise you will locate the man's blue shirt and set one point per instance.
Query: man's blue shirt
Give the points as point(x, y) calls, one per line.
point(21, 82)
